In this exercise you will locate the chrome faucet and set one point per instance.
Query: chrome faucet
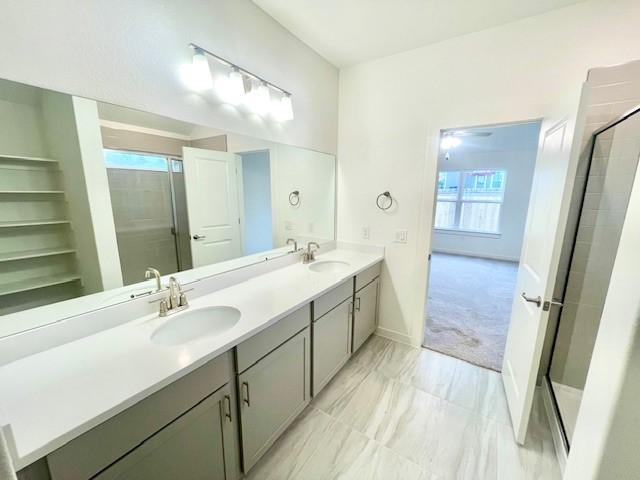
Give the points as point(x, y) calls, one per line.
point(176, 300)
point(295, 244)
point(152, 272)
point(309, 255)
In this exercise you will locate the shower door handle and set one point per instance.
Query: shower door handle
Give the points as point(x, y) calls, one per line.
point(537, 300)
point(546, 306)
point(199, 237)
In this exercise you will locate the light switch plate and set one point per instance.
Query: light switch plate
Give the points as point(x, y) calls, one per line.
point(401, 236)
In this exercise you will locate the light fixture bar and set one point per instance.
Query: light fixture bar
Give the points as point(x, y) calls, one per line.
point(242, 70)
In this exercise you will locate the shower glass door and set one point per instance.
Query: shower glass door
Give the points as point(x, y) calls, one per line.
point(605, 188)
point(143, 199)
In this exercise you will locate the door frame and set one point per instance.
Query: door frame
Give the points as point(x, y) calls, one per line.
point(433, 188)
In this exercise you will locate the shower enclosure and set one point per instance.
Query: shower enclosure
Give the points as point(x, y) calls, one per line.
point(600, 202)
point(149, 211)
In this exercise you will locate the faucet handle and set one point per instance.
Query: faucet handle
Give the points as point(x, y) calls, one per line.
point(183, 300)
point(164, 308)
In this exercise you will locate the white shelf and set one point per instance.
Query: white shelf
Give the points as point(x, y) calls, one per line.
point(27, 158)
point(30, 192)
point(32, 223)
point(35, 283)
point(42, 252)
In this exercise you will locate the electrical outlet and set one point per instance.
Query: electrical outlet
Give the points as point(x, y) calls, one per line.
point(288, 226)
point(365, 233)
point(401, 236)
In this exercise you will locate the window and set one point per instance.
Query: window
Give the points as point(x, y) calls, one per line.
point(470, 200)
point(134, 161)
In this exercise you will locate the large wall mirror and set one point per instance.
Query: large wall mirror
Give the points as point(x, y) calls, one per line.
point(92, 194)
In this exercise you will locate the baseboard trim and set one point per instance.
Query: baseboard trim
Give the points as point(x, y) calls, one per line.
point(554, 424)
point(476, 255)
point(393, 335)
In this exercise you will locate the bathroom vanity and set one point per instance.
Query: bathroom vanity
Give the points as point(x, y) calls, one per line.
point(127, 403)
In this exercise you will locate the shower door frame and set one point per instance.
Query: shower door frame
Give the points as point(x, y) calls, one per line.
point(546, 378)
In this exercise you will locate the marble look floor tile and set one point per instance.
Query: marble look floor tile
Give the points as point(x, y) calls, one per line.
point(431, 372)
point(347, 454)
point(397, 412)
point(448, 440)
point(341, 389)
point(289, 454)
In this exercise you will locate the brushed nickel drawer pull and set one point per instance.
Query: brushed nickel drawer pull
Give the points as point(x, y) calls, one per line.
point(227, 407)
point(246, 399)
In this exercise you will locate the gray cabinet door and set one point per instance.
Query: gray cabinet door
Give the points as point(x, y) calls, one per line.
point(198, 445)
point(272, 393)
point(365, 313)
point(331, 344)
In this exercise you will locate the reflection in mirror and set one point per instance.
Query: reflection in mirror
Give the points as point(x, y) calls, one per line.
point(92, 194)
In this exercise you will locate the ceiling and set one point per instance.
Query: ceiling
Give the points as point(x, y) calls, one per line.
point(347, 32)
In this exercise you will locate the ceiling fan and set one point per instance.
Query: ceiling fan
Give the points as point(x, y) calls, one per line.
point(453, 138)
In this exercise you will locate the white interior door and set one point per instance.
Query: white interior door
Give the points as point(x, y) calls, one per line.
point(537, 271)
point(211, 184)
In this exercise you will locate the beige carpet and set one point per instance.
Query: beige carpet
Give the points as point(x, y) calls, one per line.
point(469, 307)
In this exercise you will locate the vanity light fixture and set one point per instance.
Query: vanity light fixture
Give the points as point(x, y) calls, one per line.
point(231, 89)
point(200, 71)
point(258, 100)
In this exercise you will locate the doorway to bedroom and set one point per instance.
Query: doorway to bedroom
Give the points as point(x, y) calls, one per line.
point(482, 197)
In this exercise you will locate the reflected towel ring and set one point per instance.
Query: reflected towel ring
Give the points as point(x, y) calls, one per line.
point(389, 198)
point(294, 198)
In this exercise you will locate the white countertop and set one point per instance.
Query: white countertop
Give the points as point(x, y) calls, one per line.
point(53, 396)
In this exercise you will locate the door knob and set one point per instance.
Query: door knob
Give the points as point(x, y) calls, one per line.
point(199, 237)
point(537, 300)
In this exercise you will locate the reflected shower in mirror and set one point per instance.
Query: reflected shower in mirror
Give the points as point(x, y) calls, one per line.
point(92, 194)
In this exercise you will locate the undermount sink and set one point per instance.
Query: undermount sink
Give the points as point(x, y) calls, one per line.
point(329, 266)
point(193, 324)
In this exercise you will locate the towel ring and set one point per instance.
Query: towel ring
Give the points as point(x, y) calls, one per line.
point(389, 198)
point(294, 198)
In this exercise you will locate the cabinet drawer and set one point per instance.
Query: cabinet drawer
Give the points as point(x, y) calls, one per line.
point(332, 298)
point(331, 344)
point(367, 276)
point(256, 347)
point(272, 394)
point(86, 455)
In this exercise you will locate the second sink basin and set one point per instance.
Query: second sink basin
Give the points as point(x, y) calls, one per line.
point(193, 324)
point(329, 266)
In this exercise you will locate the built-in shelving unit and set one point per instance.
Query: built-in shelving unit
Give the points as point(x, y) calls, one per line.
point(24, 158)
point(40, 282)
point(36, 241)
point(31, 192)
point(37, 253)
point(33, 223)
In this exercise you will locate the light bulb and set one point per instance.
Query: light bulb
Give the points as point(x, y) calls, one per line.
point(259, 100)
point(286, 108)
point(231, 88)
point(199, 73)
point(449, 141)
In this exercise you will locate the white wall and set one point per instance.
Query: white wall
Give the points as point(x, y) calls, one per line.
point(129, 53)
point(392, 109)
point(510, 148)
